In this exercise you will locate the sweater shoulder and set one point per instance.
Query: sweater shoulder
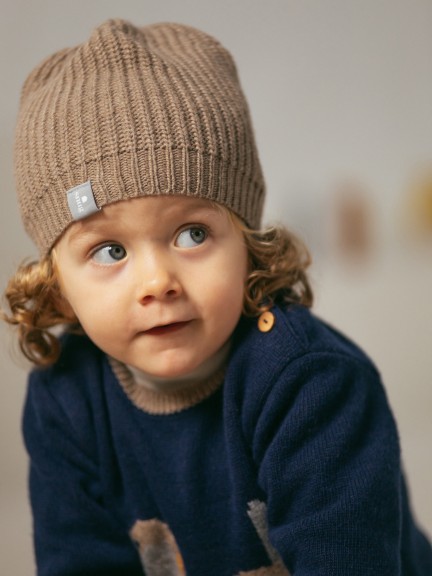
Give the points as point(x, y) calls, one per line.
point(67, 392)
point(296, 333)
point(299, 352)
point(317, 336)
point(300, 371)
point(80, 361)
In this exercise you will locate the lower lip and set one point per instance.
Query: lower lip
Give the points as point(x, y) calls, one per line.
point(168, 329)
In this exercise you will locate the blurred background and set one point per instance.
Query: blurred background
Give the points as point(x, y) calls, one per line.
point(340, 92)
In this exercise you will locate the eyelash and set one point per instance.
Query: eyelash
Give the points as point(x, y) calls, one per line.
point(189, 228)
point(100, 248)
point(186, 228)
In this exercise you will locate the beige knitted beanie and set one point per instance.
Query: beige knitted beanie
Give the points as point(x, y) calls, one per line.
point(133, 112)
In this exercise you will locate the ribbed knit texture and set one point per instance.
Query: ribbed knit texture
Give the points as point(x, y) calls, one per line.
point(167, 402)
point(137, 111)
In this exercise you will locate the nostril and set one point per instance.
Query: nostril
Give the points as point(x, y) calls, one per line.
point(147, 299)
point(169, 294)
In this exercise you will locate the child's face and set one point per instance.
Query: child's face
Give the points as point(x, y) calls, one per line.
point(155, 282)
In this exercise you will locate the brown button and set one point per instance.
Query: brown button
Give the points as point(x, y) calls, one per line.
point(266, 321)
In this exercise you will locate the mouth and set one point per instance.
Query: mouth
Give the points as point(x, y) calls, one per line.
point(166, 329)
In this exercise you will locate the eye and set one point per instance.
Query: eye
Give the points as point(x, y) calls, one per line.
point(191, 237)
point(109, 254)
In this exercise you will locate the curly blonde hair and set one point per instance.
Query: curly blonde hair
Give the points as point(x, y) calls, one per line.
point(276, 272)
point(36, 307)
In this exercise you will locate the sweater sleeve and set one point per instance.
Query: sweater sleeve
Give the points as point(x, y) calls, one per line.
point(74, 531)
point(328, 461)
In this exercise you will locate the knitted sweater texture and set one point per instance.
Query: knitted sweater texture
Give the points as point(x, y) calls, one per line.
point(292, 466)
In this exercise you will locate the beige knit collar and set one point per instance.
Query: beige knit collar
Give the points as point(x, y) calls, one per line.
point(168, 396)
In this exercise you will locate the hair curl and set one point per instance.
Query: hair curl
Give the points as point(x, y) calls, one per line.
point(36, 307)
point(278, 261)
point(276, 273)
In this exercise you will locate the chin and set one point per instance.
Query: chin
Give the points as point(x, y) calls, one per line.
point(169, 363)
point(172, 372)
point(170, 369)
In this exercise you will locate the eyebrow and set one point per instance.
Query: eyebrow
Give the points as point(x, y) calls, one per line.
point(84, 230)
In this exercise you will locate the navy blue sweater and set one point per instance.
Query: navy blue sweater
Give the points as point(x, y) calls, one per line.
point(292, 466)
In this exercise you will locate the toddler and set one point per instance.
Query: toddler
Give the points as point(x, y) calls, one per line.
point(187, 413)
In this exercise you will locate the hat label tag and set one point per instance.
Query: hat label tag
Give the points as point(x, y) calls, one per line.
point(81, 201)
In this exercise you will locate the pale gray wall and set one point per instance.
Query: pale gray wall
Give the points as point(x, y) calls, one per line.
point(337, 88)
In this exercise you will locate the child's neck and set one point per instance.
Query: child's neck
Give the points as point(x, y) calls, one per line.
point(201, 374)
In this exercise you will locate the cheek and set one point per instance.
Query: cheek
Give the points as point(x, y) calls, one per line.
point(89, 305)
point(224, 296)
point(236, 273)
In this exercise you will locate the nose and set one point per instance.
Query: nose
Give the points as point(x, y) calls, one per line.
point(157, 280)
